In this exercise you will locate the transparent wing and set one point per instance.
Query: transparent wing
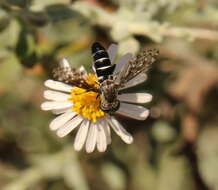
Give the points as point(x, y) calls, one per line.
point(112, 51)
point(137, 65)
point(74, 77)
point(122, 62)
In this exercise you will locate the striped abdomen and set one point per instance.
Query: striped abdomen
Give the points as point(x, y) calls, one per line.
point(102, 64)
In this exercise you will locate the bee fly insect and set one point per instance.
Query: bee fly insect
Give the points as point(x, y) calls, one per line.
point(104, 70)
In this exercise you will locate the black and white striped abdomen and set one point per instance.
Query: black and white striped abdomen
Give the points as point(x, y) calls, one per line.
point(101, 63)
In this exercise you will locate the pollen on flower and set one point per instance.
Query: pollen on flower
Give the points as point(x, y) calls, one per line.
point(92, 80)
point(87, 103)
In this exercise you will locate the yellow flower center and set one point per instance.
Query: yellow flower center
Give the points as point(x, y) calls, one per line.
point(87, 103)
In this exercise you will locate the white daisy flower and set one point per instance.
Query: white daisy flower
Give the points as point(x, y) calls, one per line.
point(76, 109)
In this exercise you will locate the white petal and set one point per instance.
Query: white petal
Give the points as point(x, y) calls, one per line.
point(123, 60)
point(101, 139)
point(81, 135)
point(139, 98)
point(56, 85)
point(112, 51)
point(61, 120)
point(133, 111)
point(64, 63)
point(54, 95)
point(107, 130)
point(92, 138)
point(55, 105)
point(69, 126)
point(118, 128)
point(135, 81)
point(82, 69)
point(60, 111)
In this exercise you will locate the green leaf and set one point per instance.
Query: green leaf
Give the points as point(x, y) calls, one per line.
point(17, 3)
point(60, 12)
point(35, 18)
point(25, 49)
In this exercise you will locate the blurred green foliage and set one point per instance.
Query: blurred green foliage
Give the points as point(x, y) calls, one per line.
point(175, 148)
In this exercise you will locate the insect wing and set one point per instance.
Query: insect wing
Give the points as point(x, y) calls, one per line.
point(63, 71)
point(135, 66)
point(75, 77)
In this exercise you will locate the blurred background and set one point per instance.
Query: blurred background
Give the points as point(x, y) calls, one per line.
point(176, 148)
